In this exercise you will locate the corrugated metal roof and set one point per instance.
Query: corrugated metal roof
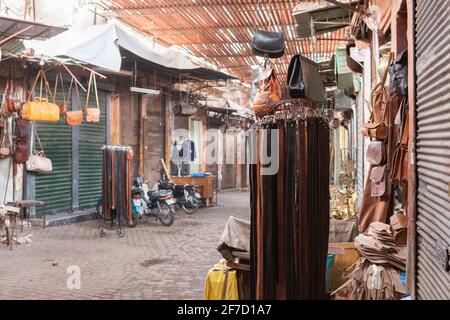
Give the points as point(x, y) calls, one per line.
point(221, 30)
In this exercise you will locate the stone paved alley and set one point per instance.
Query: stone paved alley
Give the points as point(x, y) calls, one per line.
point(151, 262)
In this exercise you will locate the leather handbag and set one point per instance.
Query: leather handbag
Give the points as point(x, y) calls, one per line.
point(92, 114)
point(268, 44)
point(377, 128)
point(268, 92)
point(399, 226)
point(40, 109)
point(21, 134)
point(398, 71)
point(37, 162)
point(73, 118)
point(376, 153)
point(304, 80)
point(378, 181)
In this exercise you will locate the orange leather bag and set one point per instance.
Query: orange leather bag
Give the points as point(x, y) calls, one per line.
point(40, 109)
point(268, 92)
point(73, 118)
point(92, 114)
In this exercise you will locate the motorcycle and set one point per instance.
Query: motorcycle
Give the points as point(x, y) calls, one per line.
point(186, 196)
point(158, 204)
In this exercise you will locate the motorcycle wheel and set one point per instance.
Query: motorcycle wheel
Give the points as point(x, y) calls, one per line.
point(191, 209)
point(166, 216)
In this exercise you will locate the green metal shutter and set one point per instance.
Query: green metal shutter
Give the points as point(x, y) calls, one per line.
point(55, 188)
point(92, 137)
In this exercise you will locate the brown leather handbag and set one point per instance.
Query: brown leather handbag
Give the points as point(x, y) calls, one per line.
point(268, 92)
point(5, 145)
point(376, 153)
point(73, 118)
point(92, 114)
point(379, 181)
point(377, 128)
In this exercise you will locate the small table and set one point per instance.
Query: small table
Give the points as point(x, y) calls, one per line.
point(24, 205)
point(206, 185)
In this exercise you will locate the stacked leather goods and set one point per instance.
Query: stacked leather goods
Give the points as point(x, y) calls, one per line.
point(290, 210)
point(376, 275)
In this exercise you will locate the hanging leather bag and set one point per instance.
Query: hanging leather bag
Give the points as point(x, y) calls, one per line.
point(378, 181)
point(21, 136)
point(400, 162)
point(304, 80)
point(38, 162)
point(398, 71)
point(5, 145)
point(376, 153)
point(73, 118)
point(268, 92)
point(376, 128)
point(40, 109)
point(268, 44)
point(92, 114)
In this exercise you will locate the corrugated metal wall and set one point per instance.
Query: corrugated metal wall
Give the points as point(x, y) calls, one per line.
point(92, 136)
point(55, 187)
point(433, 148)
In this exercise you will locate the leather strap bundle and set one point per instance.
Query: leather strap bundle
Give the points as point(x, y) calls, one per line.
point(290, 220)
point(37, 161)
point(116, 184)
point(92, 114)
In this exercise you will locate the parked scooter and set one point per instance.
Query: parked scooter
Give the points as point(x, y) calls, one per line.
point(186, 196)
point(158, 204)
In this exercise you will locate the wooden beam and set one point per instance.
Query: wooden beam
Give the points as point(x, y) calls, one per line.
point(115, 119)
point(348, 7)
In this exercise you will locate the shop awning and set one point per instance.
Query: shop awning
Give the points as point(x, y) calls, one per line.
point(101, 46)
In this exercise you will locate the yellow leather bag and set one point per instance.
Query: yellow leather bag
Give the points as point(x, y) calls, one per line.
point(40, 109)
point(73, 118)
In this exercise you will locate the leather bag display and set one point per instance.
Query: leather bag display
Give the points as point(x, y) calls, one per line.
point(92, 114)
point(21, 137)
point(10, 102)
point(268, 44)
point(268, 92)
point(40, 109)
point(400, 163)
point(289, 219)
point(304, 80)
point(376, 153)
point(37, 161)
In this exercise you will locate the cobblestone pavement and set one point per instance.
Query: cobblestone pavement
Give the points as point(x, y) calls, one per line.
point(151, 262)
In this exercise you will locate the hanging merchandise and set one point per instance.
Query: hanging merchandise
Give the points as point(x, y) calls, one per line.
point(268, 44)
point(37, 161)
point(5, 144)
point(289, 217)
point(116, 184)
point(376, 153)
point(268, 91)
point(73, 118)
point(398, 71)
point(92, 114)
point(40, 109)
point(21, 136)
point(11, 102)
point(304, 80)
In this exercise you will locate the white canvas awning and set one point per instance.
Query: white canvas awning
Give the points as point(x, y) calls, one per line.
point(100, 45)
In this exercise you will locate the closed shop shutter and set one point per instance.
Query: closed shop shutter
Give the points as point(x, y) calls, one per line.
point(55, 188)
point(92, 136)
point(433, 148)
